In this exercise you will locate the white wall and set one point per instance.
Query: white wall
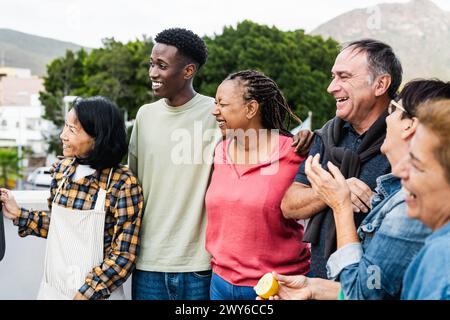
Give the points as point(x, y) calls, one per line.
point(24, 125)
point(22, 267)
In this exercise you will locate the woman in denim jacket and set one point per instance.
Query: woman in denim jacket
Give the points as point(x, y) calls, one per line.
point(425, 175)
point(370, 262)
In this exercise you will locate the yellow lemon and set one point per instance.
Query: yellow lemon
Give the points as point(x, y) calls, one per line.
point(267, 286)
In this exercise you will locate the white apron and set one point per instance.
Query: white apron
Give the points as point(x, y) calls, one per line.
point(75, 245)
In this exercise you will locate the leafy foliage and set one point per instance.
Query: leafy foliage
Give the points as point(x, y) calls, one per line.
point(9, 166)
point(298, 62)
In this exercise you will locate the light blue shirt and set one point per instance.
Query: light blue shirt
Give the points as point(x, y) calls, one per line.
point(428, 276)
point(374, 268)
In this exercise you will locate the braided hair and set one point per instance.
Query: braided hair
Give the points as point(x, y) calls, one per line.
point(274, 108)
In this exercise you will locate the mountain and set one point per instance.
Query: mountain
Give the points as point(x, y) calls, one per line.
point(419, 32)
point(22, 50)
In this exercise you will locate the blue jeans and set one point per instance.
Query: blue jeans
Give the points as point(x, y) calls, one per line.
point(223, 290)
point(148, 285)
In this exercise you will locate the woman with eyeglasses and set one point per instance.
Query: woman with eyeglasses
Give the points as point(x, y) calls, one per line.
point(370, 261)
point(95, 204)
point(425, 175)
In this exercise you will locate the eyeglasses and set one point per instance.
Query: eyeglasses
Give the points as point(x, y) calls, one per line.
point(394, 105)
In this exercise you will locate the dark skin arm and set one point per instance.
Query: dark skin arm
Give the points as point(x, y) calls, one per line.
point(302, 142)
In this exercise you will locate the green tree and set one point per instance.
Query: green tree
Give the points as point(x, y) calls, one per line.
point(65, 76)
point(120, 72)
point(299, 63)
point(117, 71)
point(9, 166)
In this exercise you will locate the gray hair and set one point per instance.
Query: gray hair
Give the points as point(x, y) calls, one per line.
point(381, 60)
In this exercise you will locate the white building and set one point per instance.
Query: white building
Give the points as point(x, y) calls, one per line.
point(23, 126)
point(21, 122)
point(18, 87)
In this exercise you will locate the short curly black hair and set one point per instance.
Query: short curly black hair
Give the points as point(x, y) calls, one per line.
point(187, 42)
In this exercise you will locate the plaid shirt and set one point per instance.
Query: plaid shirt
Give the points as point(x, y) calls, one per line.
point(124, 203)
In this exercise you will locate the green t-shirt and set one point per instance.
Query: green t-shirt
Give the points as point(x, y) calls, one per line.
point(341, 295)
point(171, 152)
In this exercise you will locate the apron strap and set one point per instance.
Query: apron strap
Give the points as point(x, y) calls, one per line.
point(100, 203)
point(109, 178)
point(64, 178)
point(101, 197)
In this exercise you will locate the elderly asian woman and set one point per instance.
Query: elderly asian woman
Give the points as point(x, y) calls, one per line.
point(95, 204)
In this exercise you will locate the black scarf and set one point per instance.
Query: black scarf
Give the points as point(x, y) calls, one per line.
point(349, 163)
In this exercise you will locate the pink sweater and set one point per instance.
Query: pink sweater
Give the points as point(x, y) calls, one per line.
point(246, 232)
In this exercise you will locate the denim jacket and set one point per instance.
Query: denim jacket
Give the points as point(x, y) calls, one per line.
point(428, 276)
point(374, 268)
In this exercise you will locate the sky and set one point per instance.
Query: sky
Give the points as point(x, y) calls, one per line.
point(87, 22)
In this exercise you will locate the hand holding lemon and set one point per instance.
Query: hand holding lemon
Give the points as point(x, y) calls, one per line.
point(274, 286)
point(267, 286)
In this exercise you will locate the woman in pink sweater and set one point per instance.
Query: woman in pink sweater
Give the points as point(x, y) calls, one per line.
point(254, 165)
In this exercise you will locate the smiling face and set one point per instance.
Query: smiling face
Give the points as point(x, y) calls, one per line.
point(76, 142)
point(230, 109)
point(167, 71)
point(351, 86)
point(398, 133)
point(424, 180)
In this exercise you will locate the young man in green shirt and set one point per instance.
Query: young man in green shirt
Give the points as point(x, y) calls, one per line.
point(171, 151)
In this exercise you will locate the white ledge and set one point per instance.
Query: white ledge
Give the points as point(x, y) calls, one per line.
point(32, 199)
